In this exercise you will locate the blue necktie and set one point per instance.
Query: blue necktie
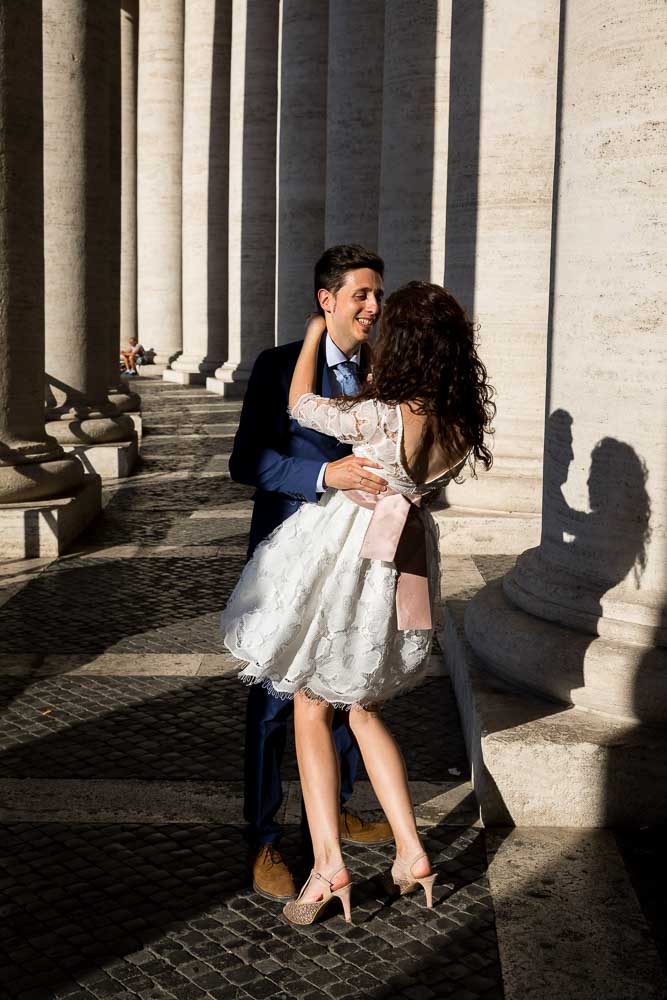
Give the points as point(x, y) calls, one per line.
point(347, 376)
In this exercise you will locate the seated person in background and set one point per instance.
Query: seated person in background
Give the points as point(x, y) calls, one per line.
point(132, 356)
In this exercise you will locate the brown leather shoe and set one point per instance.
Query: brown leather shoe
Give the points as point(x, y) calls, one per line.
point(355, 830)
point(270, 875)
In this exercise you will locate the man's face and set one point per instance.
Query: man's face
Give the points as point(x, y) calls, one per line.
point(355, 308)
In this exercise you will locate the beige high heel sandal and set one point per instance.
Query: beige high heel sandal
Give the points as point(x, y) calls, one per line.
point(400, 877)
point(307, 913)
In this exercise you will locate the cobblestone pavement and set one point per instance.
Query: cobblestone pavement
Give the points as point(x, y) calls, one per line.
point(164, 910)
point(175, 728)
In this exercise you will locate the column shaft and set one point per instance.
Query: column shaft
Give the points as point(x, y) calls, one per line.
point(32, 464)
point(159, 156)
point(76, 224)
point(302, 112)
point(414, 134)
point(129, 25)
point(498, 226)
point(354, 122)
point(121, 37)
point(205, 190)
point(600, 572)
point(252, 186)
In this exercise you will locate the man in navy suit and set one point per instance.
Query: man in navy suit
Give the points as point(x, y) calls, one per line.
point(290, 465)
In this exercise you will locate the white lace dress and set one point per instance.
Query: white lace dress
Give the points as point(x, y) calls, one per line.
point(309, 613)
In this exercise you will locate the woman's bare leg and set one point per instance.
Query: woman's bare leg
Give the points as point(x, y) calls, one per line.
point(320, 787)
point(386, 770)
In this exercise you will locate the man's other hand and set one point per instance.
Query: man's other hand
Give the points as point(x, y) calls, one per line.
point(351, 473)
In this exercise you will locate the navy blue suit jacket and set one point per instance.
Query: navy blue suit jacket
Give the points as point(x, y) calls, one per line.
point(271, 451)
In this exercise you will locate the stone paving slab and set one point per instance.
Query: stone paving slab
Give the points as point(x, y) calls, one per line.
point(643, 852)
point(127, 800)
point(568, 921)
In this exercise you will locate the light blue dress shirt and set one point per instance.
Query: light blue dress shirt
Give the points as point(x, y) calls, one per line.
point(334, 356)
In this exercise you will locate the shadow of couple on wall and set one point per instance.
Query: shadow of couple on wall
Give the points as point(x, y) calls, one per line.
point(600, 547)
point(611, 538)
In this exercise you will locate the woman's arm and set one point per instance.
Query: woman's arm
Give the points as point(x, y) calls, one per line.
point(304, 378)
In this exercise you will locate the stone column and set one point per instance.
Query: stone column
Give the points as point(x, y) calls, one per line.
point(581, 619)
point(498, 242)
point(414, 140)
point(205, 190)
point(32, 464)
point(302, 144)
point(159, 155)
point(129, 25)
point(252, 185)
point(354, 122)
point(121, 39)
point(76, 233)
point(45, 497)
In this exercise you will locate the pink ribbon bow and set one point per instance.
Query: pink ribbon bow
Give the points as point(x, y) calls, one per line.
point(396, 533)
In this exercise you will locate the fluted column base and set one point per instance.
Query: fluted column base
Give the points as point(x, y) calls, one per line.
point(43, 529)
point(190, 370)
point(69, 430)
point(616, 678)
point(29, 481)
point(104, 445)
point(166, 358)
point(539, 763)
point(549, 591)
point(124, 400)
point(230, 381)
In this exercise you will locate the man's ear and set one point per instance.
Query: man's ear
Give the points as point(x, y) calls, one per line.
point(326, 299)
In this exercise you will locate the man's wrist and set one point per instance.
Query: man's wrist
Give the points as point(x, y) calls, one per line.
point(321, 479)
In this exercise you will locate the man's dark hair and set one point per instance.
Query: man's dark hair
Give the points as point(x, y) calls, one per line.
point(335, 262)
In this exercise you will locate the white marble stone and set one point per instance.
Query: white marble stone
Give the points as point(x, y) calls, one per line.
point(159, 163)
point(78, 193)
point(590, 626)
point(567, 919)
point(502, 125)
point(45, 528)
point(536, 762)
point(483, 532)
point(301, 161)
point(24, 445)
point(205, 191)
point(413, 181)
point(110, 461)
point(252, 185)
point(129, 42)
point(354, 122)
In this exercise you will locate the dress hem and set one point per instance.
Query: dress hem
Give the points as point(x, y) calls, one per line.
point(269, 685)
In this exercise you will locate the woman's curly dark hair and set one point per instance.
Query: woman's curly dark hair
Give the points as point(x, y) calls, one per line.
point(426, 353)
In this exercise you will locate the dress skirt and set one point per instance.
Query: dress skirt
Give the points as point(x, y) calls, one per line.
point(309, 613)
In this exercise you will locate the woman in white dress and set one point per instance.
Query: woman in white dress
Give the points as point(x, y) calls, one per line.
point(335, 607)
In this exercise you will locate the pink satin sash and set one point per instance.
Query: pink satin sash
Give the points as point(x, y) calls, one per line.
point(396, 533)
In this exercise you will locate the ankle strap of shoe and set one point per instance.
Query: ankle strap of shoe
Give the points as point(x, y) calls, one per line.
point(325, 879)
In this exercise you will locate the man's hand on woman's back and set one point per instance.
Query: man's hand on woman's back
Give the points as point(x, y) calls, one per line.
point(351, 473)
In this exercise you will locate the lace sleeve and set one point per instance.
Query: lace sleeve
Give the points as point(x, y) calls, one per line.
point(358, 423)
